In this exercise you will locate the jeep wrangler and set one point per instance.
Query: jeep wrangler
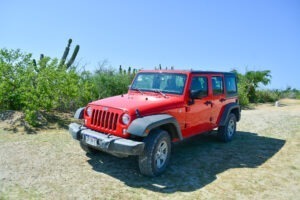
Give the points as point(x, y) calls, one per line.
point(160, 107)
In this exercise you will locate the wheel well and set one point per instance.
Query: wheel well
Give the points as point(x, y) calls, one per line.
point(235, 111)
point(171, 129)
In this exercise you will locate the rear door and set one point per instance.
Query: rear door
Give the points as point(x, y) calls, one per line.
point(218, 97)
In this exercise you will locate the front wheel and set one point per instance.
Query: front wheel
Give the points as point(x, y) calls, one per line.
point(226, 133)
point(157, 153)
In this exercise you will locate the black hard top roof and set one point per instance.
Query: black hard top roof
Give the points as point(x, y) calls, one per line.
point(187, 72)
point(212, 72)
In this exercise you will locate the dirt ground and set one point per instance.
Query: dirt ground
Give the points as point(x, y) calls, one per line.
point(262, 162)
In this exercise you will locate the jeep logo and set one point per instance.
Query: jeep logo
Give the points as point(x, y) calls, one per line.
point(105, 108)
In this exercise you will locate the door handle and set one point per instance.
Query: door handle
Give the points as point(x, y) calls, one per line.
point(222, 100)
point(208, 102)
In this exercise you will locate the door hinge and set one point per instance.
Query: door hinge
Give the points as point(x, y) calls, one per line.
point(186, 125)
point(187, 109)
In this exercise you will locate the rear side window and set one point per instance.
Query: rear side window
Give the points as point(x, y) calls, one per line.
point(217, 85)
point(231, 87)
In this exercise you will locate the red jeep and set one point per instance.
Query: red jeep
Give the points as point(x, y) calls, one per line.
point(160, 107)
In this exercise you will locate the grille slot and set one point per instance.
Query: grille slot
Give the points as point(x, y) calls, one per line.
point(105, 119)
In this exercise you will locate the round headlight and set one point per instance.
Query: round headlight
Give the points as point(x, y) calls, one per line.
point(126, 119)
point(89, 111)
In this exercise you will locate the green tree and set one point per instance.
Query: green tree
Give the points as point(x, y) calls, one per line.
point(248, 84)
point(253, 79)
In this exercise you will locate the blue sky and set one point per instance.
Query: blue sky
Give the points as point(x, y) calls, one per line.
point(202, 35)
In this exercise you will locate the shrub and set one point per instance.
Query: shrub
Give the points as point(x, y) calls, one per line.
point(13, 64)
point(110, 83)
point(267, 96)
point(32, 87)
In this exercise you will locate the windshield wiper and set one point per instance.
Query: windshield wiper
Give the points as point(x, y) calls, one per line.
point(136, 89)
point(160, 92)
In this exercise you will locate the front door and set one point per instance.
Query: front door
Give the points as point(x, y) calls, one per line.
point(198, 113)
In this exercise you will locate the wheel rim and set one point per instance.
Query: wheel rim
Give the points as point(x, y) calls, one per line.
point(161, 154)
point(230, 127)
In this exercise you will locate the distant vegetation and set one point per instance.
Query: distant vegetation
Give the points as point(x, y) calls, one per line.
point(248, 85)
point(52, 84)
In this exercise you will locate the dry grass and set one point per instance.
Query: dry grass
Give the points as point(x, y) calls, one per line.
point(262, 162)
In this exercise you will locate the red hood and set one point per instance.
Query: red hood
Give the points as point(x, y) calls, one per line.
point(146, 103)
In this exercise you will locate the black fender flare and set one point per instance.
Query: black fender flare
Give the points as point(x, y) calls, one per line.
point(142, 126)
point(79, 113)
point(227, 110)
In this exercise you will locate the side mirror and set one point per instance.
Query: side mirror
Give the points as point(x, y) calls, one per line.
point(198, 94)
point(194, 94)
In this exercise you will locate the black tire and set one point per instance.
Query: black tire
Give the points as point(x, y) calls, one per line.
point(157, 153)
point(87, 149)
point(227, 132)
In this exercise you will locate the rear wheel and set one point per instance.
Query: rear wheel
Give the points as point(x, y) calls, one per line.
point(156, 156)
point(227, 132)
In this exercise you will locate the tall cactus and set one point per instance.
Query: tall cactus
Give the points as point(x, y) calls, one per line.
point(129, 70)
point(66, 53)
point(120, 69)
point(34, 62)
point(134, 71)
point(42, 63)
point(73, 57)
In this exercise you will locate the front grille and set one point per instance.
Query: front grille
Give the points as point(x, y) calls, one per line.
point(105, 119)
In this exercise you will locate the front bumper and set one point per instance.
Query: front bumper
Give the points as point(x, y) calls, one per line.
point(108, 143)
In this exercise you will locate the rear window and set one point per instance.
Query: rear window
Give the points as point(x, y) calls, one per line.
point(217, 84)
point(231, 87)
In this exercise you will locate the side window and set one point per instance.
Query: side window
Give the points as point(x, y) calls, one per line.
point(199, 85)
point(217, 85)
point(231, 88)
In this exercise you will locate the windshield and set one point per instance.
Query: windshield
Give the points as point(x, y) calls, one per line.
point(159, 82)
